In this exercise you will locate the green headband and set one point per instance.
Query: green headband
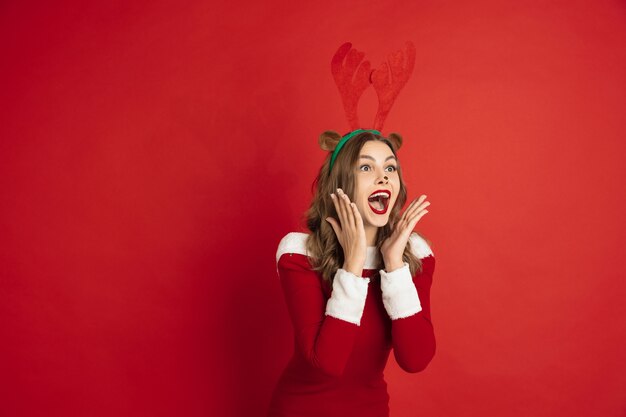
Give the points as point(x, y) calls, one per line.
point(345, 139)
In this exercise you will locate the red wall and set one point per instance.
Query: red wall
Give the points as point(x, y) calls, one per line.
point(152, 156)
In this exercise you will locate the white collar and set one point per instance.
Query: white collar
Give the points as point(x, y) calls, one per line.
point(372, 258)
point(295, 242)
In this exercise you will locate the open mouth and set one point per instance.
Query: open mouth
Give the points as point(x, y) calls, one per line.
point(379, 201)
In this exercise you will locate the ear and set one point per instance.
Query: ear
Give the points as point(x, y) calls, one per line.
point(396, 140)
point(329, 139)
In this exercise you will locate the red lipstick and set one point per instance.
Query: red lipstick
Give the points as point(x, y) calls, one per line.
point(381, 197)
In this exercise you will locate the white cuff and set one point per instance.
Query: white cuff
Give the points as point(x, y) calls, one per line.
point(399, 293)
point(347, 300)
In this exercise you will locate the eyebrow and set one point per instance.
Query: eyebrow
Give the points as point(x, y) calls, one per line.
point(369, 157)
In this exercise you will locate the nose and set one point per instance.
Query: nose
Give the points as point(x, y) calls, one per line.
point(383, 180)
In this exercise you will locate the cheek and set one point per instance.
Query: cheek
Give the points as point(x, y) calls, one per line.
point(359, 194)
point(395, 183)
point(396, 187)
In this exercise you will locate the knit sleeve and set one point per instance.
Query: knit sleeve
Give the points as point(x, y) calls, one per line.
point(325, 329)
point(413, 336)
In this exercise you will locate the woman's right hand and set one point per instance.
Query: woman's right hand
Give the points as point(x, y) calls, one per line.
point(350, 232)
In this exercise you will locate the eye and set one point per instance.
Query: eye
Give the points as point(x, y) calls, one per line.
point(391, 168)
point(364, 167)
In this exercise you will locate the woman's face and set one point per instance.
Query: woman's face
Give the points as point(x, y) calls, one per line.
point(377, 183)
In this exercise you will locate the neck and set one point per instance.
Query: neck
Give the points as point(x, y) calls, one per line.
point(370, 235)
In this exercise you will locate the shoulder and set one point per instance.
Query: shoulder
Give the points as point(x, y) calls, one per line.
point(294, 242)
point(419, 246)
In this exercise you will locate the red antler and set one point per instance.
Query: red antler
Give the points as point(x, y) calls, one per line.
point(389, 78)
point(352, 78)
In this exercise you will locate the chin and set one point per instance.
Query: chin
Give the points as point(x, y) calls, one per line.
point(380, 222)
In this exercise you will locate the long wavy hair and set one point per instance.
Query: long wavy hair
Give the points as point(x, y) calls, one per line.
point(325, 251)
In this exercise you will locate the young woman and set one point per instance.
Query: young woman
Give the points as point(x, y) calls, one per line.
point(357, 286)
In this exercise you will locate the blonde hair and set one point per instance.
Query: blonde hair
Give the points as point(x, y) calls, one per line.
point(326, 253)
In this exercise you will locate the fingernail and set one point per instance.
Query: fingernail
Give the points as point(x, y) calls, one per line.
point(332, 196)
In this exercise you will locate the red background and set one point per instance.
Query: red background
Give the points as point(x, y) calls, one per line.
point(152, 155)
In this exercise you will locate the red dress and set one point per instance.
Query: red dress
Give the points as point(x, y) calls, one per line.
point(343, 335)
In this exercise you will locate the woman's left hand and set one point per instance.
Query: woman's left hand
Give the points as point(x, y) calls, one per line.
point(392, 248)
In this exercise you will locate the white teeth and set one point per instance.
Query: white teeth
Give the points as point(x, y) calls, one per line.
point(381, 194)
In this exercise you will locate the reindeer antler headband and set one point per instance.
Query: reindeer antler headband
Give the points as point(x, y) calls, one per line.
point(352, 78)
